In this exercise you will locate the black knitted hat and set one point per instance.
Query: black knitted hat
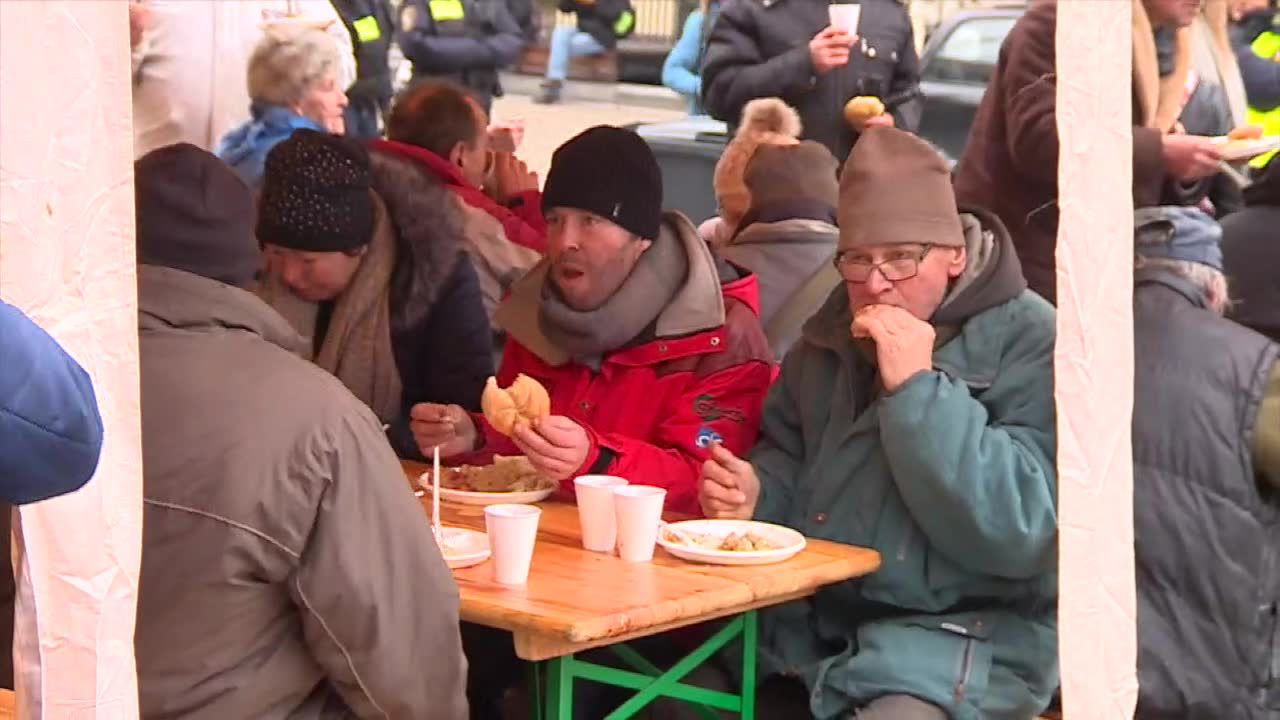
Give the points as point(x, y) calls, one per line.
point(610, 172)
point(315, 194)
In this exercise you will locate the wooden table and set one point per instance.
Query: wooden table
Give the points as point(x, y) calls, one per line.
point(8, 705)
point(577, 600)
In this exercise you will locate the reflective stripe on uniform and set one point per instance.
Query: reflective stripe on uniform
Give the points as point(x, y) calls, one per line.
point(1267, 45)
point(367, 29)
point(625, 22)
point(446, 10)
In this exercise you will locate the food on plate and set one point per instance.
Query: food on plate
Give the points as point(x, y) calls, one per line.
point(505, 475)
point(861, 109)
point(1246, 132)
point(733, 542)
point(505, 408)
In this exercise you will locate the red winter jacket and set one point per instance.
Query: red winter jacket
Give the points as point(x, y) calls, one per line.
point(653, 409)
point(521, 219)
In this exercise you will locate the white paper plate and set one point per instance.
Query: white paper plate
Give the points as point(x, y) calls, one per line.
point(1235, 150)
point(466, 497)
point(463, 548)
point(788, 541)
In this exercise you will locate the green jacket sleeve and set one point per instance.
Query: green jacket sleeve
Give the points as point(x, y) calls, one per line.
point(977, 474)
point(779, 454)
point(1266, 434)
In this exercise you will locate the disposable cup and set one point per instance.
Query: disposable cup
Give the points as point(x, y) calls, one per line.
point(844, 16)
point(513, 530)
point(639, 510)
point(596, 511)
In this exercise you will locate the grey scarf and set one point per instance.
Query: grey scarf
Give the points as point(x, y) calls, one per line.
point(587, 335)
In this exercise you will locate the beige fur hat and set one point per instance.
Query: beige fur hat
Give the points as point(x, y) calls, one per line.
point(766, 121)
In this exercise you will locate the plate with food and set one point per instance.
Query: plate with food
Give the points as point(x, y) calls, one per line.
point(730, 542)
point(462, 547)
point(507, 480)
point(1246, 143)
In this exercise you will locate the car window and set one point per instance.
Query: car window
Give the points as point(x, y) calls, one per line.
point(969, 53)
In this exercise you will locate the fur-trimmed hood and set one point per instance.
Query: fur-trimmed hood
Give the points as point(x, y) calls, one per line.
point(428, 231)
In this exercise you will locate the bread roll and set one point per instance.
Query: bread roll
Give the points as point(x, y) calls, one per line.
point(525, 401)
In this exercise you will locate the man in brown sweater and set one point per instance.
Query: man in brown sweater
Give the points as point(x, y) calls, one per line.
point(1010, 165)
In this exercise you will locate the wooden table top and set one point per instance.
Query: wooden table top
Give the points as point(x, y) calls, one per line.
point(8, 705)
point(576, 599)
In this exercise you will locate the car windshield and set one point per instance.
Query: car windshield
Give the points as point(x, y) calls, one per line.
point(969, 52)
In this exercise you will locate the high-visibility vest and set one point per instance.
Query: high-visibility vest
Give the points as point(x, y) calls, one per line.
point(1267, 45)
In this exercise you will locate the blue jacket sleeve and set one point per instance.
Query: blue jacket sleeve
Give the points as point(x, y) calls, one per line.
point(447, 54)
point(455, 357)
point(680, 70)
point(1261, 79)
point(50, 430)
point(978, 474)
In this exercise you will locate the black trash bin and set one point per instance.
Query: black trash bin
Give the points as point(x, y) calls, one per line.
point(687, 152)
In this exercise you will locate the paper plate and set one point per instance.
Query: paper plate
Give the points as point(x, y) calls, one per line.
point(1236, 150)
point(787, 542)
point(466, 497)
point(463, 548)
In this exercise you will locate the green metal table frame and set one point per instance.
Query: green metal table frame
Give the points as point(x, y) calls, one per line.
point(651, 682)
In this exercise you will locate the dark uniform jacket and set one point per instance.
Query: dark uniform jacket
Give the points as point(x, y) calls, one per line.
point(466, 41)
point(760, 48)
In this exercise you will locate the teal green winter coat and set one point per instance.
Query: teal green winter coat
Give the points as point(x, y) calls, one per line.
point(951, 478)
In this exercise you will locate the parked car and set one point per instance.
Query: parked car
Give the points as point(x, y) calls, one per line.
point(955, 67)
point(958, 60)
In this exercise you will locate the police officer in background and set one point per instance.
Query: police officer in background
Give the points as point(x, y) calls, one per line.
point(788, 49)
point(465, 41)
point(372, 27)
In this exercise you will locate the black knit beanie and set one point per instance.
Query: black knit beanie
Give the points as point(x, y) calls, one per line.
point(194, 214)
point(315, 194)
point(610, 172)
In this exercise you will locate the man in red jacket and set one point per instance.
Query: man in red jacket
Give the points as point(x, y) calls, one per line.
point(650, 348)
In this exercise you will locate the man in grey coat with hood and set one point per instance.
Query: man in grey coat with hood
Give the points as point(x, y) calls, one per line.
point(287, 570)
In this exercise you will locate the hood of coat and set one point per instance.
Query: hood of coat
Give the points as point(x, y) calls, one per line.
point(170, 299)
point(267, 126)
point(428, 229)
point(992, 276)
point(697, 305)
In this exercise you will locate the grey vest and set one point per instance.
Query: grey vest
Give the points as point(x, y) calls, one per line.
point(1207, 538)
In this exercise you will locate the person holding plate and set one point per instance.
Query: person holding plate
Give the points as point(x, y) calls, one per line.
point(915, 416)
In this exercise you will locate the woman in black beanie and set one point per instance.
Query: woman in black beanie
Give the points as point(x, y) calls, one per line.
point(392, 304)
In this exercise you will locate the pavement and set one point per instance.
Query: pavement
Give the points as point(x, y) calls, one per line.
point(584, 105)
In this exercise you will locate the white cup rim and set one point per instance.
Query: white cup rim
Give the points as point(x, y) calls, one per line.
point(639, 491)
point(600, 481)
point(512, 510)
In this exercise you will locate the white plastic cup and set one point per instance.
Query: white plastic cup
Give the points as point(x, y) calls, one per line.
point(845, 16)
point(596, 511)
point(639, 511)
point(513, 531)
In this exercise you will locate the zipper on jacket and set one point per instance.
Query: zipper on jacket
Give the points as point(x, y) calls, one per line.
point(966, 669)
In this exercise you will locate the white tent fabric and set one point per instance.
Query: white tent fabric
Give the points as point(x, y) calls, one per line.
point(67, 259)
point(1094, 361)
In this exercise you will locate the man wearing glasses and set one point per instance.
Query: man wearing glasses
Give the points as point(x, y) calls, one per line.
point(915, 416)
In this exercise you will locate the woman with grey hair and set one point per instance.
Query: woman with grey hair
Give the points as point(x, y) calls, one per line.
point(293, 84)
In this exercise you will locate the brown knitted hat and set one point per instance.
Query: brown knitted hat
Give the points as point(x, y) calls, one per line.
point(896, 189)
point(765, 121)
point(782, 173)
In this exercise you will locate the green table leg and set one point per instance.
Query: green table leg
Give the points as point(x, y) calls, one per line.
point(652, 683)
point(560, 688)
point(750, 644)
